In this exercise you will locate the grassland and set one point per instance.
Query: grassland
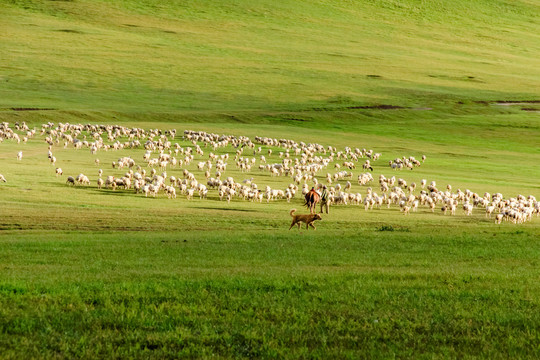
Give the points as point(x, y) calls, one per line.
point(206, 55)
point(95, 273)
point(88, 273)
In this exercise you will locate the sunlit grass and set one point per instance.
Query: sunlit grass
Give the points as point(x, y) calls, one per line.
point(90, 273)
point(147, 55)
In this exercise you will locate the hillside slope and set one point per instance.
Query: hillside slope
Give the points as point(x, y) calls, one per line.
point(133, 55)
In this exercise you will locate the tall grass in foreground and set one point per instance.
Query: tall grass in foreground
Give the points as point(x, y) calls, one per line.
point(359, 293)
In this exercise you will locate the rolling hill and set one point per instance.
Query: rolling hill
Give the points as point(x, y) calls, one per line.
point(133, 55)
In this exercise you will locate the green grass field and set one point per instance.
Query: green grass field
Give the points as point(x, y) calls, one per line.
point(92, 273)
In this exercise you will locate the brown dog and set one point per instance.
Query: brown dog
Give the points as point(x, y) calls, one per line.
point(307, 218)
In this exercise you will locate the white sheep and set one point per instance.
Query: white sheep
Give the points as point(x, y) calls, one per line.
point(2, 178)
point(153, 190)
point(468, 208)
point(110, 181)
point(171, 192)
point(146, 189)
point(83, 179)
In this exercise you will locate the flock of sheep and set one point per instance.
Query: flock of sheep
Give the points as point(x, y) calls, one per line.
point(305, 165)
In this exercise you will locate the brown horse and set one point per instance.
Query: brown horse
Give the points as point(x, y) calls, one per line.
point(312, 198)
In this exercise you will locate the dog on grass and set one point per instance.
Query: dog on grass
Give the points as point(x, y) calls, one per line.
point(307, 218)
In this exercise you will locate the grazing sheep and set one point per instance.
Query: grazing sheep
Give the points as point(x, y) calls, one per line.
point(146, 189)
point(110, 181)
point(300, 162)
point(153, 190)
point(171, 192)
point(468, 208)
point(82, 179)
point(2, 178)
point(431, 204)
point(367, 165)
point(415, 205)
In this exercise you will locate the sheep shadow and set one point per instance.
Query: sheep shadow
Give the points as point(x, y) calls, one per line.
point(225, 209)
point(93, 189)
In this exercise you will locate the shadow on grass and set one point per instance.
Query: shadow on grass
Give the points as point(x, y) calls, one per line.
point(131, 193)
point(227, 209)
point(103, 191)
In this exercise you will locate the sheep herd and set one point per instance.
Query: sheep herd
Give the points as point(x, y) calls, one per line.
point(198, 166)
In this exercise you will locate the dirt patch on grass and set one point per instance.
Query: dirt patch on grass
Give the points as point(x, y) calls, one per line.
point(512, 102)
point(362, 107)
point(70, 31)
point(30, 109)
point(377, 107)
point(525, 103)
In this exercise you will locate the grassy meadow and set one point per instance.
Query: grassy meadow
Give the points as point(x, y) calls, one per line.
point(92, 273)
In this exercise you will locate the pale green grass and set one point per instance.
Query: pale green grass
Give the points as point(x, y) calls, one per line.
point(143, 55)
